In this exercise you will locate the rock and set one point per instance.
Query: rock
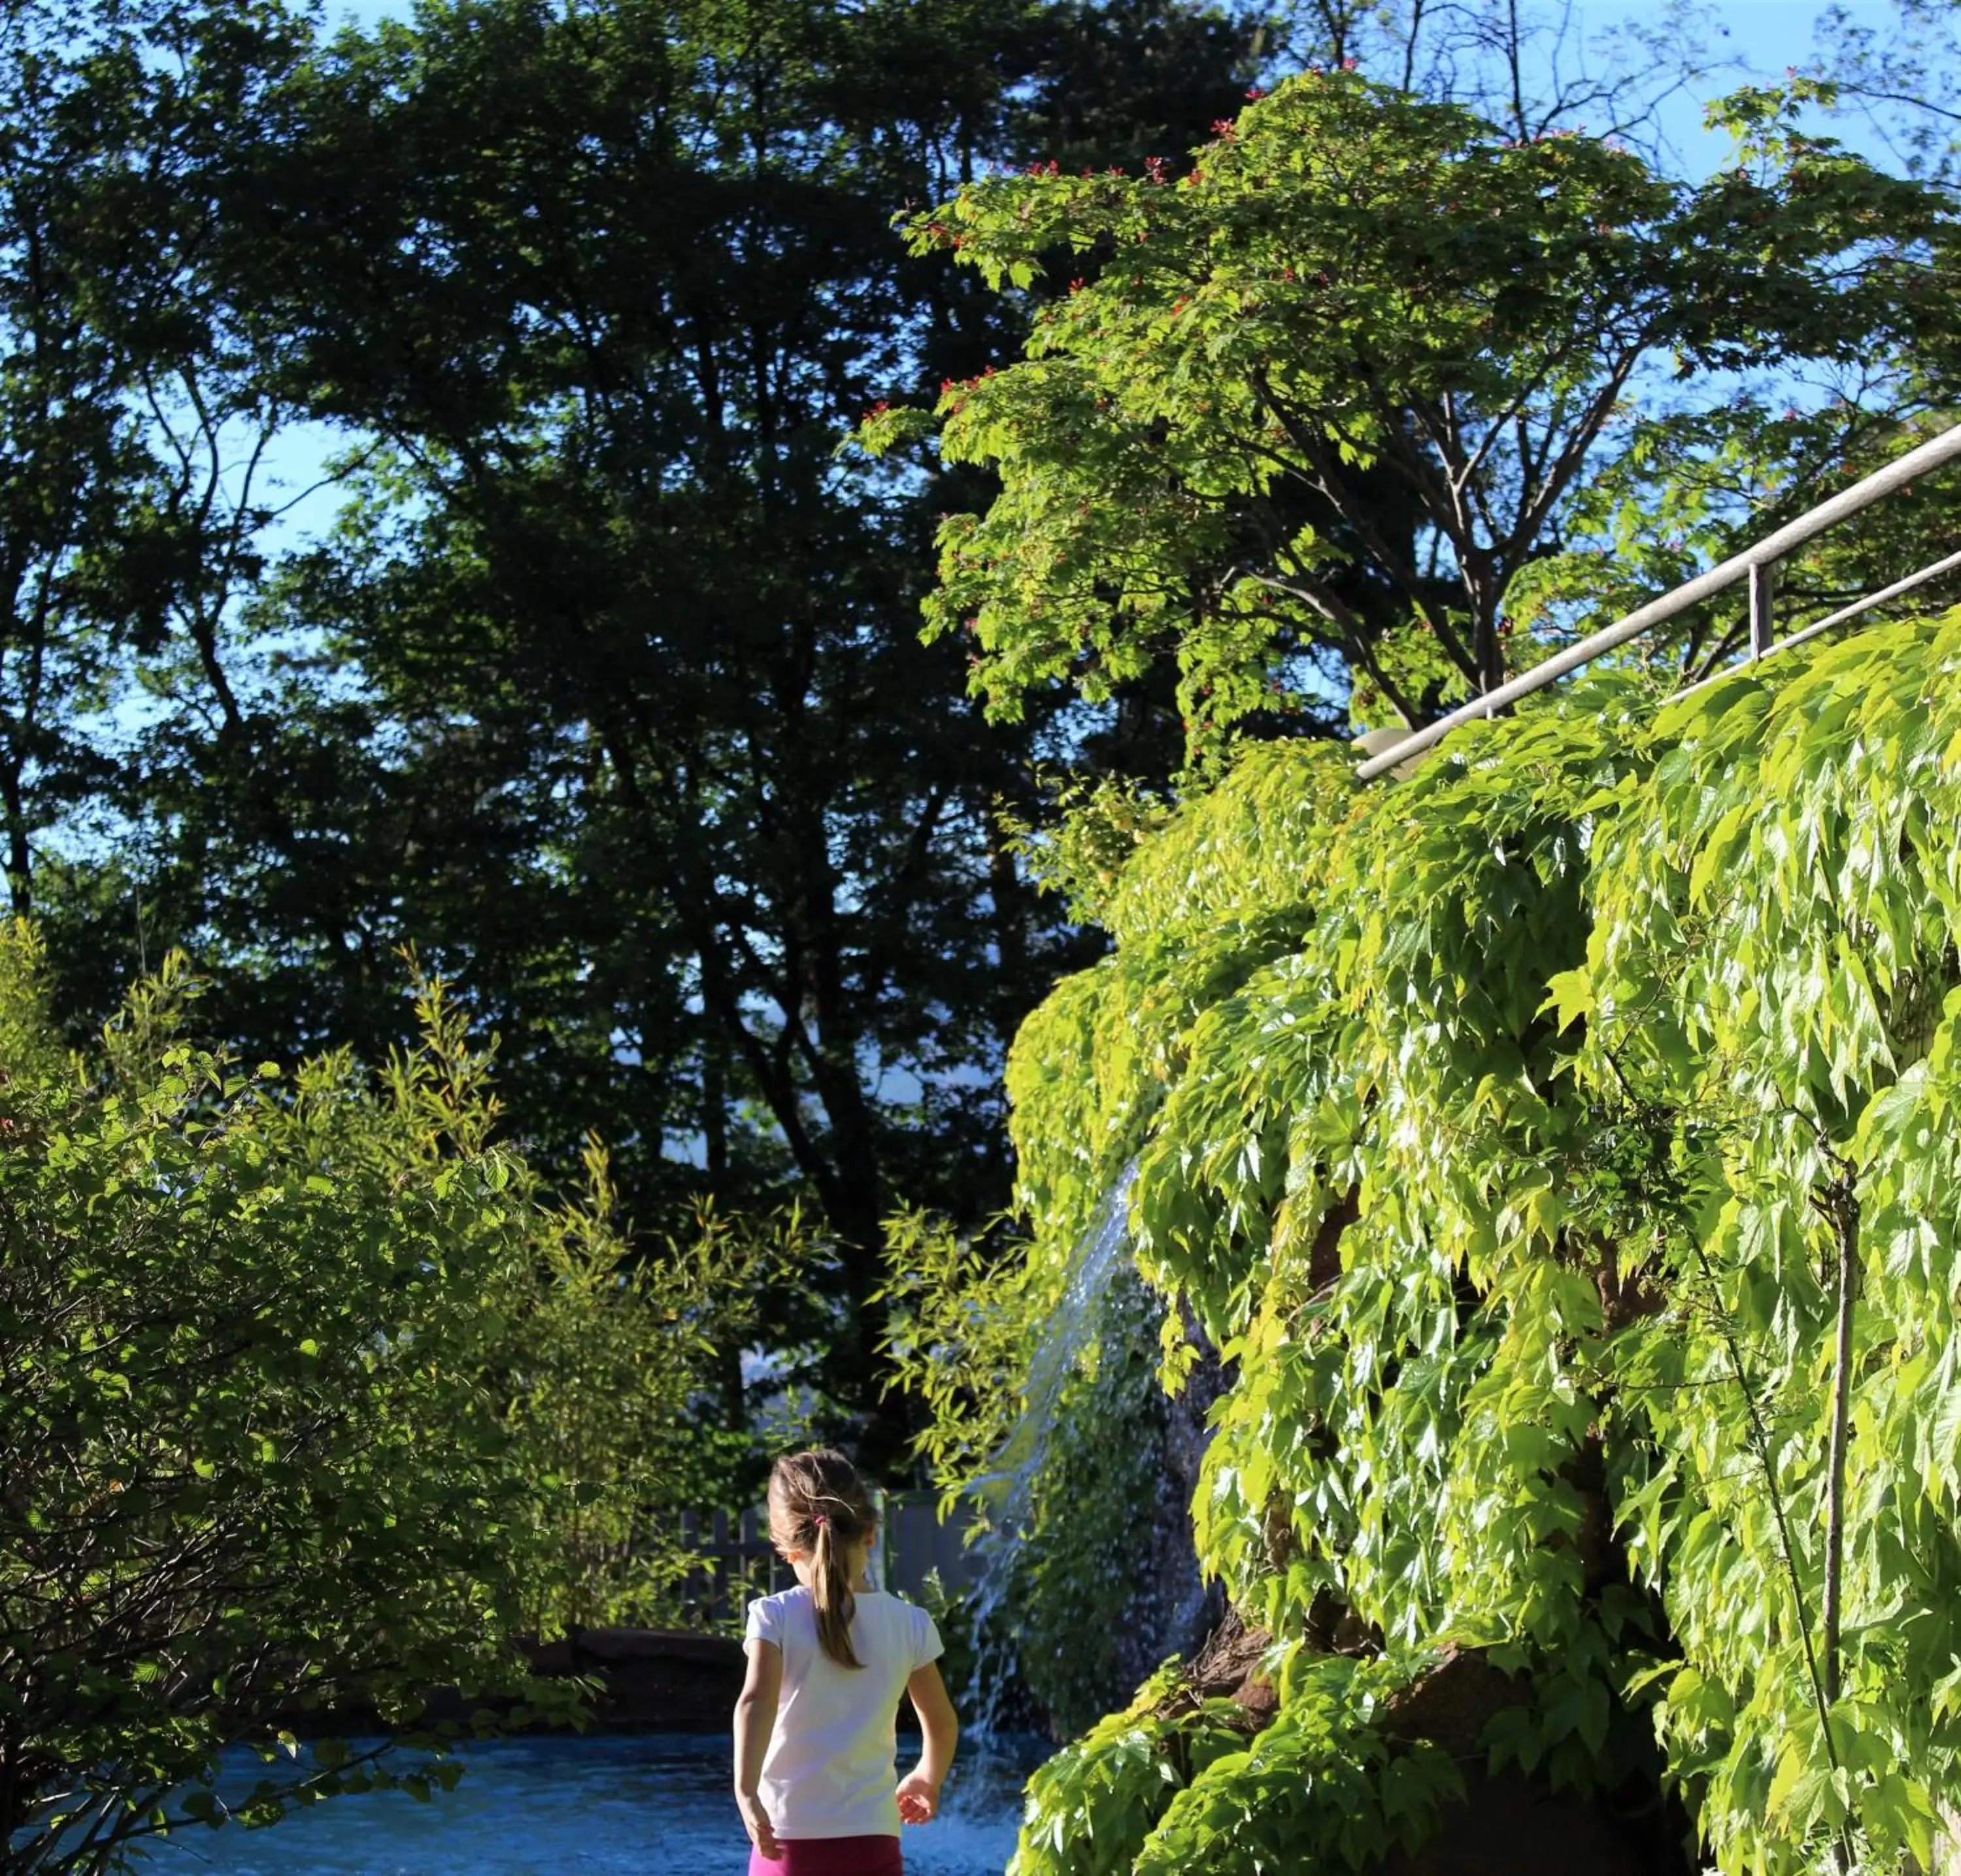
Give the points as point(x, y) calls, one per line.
point(1174, 1611)
point(1228, 1666)
point(1507, 1823)
point(1453, 1704)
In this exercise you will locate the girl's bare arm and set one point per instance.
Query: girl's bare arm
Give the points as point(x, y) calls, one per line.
point(939, 1730)
point(755, 1719)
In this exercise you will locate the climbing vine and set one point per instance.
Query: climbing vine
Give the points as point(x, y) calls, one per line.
point(1560, 1146)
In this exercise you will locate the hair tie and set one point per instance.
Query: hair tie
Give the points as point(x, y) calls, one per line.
point(822, 1520)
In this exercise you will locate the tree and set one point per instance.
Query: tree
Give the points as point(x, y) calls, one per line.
point(1533, 68)
point(98, 530)
point(1899, 74)
point(1325, 405)
point(607, 690)
point(311, 1401)
point(136, 419)
point(671, 637)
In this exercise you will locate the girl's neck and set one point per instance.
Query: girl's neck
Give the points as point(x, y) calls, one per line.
point(858, 1569)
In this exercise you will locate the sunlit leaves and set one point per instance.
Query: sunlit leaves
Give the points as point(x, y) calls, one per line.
point(1500, 1158)
point(311, 1401)
point(1310, 417)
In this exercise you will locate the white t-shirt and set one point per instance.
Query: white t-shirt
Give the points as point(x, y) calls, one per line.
point(831, 1768)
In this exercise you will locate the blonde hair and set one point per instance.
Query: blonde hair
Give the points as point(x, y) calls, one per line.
point(820, 1509)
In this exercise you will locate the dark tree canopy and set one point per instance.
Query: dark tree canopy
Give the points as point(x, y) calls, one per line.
point(606, 690)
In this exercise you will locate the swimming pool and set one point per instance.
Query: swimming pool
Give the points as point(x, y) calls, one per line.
point(644, 1806)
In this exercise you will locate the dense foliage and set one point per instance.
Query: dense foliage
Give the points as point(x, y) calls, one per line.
point(1549, 1145)
point(1561, 1144)
point(314, 1401)
point(590, 671)
point(1173, 1784)
point(593, 669)
point(1373, 394)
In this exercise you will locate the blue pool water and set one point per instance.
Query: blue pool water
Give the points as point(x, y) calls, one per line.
point(613, 1806)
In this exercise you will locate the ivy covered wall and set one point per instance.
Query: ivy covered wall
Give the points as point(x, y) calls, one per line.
point(1561, 1147)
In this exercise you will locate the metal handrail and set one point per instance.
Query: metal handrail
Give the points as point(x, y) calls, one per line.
point(1754, 564)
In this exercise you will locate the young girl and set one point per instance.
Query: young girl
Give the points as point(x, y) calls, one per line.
point(815, 1724)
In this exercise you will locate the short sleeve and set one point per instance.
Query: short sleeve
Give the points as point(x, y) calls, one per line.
point(927, 1646)
point(765, 1622)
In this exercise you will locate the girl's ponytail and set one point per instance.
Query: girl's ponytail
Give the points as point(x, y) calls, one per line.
point(830, 1592)
point(819, 1509)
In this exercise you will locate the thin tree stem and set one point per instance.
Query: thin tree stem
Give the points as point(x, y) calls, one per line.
point(1842, 1207)
point(1760, 1442)
point(1843, 1212)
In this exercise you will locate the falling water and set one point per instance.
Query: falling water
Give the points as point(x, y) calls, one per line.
point(1008, 1487)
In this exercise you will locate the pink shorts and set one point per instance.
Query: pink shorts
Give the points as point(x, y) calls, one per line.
point(831, 1856)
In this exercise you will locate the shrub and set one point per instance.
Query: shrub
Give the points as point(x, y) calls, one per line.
point(1563, 1144)
point(286, 1369)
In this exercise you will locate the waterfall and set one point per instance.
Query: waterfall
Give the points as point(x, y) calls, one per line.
point(1008, 1486)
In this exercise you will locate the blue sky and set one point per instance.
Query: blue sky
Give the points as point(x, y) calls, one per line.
point(1763, 37)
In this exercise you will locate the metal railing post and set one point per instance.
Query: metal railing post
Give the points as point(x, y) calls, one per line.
point(1763, 592)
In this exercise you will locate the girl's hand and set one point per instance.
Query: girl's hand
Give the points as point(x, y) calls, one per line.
point(919, 1799)
point(756, 1821)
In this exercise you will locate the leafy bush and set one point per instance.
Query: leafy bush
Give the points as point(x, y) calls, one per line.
point(610, 1401)
point(1563, 1144)
point(1092, 1806)
point(287, 1372)
point(1320, 1775)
